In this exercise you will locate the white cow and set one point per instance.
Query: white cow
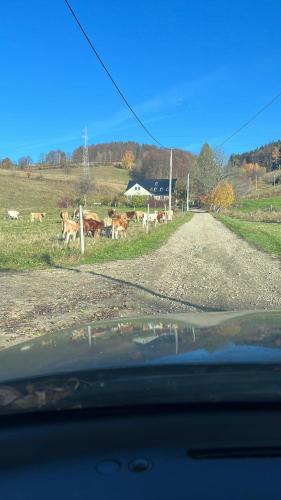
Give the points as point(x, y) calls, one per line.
point(13, 214)
point(166, 212)
point(149, 218)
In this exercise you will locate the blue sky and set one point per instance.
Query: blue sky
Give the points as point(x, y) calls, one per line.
point(194, 71)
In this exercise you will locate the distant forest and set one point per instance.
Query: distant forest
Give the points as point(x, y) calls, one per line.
point(142, 160)
point(149, 161)
point(262, 155)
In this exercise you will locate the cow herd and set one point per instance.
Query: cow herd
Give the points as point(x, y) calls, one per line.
point(34, 216)
point(114, 226)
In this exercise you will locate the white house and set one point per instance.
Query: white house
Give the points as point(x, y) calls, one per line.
point(136, 190)
point(156, 188)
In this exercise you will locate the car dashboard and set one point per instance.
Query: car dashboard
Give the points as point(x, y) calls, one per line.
point(179, 452)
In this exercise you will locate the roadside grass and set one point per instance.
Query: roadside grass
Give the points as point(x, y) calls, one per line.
point(265, 236)
point(25, 245)
point(252, 205)
point(257, 216)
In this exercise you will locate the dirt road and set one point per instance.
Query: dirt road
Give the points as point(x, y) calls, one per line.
point(203, 267)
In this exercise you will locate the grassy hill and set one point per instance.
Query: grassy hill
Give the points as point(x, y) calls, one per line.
point(43, 190)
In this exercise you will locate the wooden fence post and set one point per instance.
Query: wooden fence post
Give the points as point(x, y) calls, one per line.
point(147, 217)
point(82, 244)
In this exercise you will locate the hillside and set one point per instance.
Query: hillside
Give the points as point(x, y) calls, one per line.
point(45, 188)
point(261, 155)
point(148, 161)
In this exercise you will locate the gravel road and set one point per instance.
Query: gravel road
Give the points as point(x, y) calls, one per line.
point(203, 267)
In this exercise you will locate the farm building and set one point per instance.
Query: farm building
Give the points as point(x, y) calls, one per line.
point(158, 188)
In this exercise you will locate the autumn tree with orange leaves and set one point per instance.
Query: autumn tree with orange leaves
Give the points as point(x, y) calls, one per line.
point(222, 196)
point(128, 160)
point(252, 170)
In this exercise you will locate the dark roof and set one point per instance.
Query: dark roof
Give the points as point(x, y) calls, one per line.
point(157, 187)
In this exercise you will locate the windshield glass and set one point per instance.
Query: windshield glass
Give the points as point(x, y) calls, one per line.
point(140, 188)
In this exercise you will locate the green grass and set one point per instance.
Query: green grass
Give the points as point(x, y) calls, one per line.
point(25, 245)
point(249, 205)
point(265, 236)
point(17, 192)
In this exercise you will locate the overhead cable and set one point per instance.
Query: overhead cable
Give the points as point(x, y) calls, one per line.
point(82, 29)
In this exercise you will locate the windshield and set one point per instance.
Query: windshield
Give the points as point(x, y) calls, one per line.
point(140, 189)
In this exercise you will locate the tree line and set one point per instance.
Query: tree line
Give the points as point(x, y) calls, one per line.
point(267, 156)
point(143, 161)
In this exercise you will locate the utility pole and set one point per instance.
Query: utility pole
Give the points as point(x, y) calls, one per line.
point(187, 193)
point(170, 186)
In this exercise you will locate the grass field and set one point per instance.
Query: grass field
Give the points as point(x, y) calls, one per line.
point(44, 189)
point(252, 205)
point(265, 236)
point(25, 245)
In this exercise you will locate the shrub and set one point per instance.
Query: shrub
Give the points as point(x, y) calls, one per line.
point(137, 201)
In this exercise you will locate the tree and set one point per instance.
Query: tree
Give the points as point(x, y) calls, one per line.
point(222, 196)
point(128, 160)
point(24, 162)
point(7, 163)
point(206, 172)
point(55, 157)
point(252, 170)
point(42, 158)
point(262, 156)
point(276, 156)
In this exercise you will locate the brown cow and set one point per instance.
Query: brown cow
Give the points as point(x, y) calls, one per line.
point(70, 228)
point(37, 216)
point(119, 226)
point(161, 217)
point(92, 226)
point(86, 215)
point(111, 212)
point(91, 215)
point(131, 215)
point(139, 215)
point(122, 216)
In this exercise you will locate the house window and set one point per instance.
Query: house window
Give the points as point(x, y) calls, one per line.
point(136, 187)
point(139, 188)
point(161, 189)
point(156, 183)
point(167, 189)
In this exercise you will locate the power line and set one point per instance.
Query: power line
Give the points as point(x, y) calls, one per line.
point(261, 110)
point(109, 74)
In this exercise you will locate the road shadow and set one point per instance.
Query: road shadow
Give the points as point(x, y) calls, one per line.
point(47, 259)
